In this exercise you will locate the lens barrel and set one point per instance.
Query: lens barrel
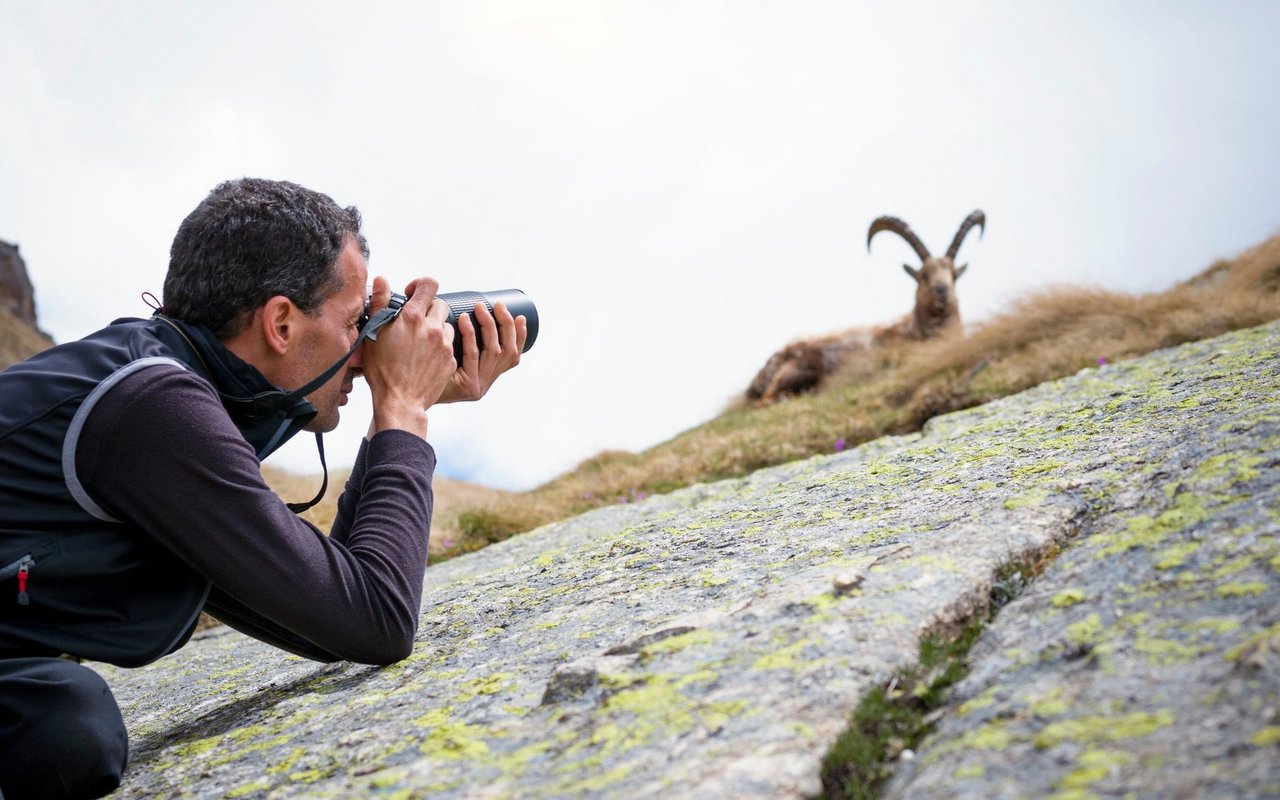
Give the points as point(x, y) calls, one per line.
point(517, 302)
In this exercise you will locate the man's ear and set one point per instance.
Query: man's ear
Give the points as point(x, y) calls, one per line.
point(278, 321)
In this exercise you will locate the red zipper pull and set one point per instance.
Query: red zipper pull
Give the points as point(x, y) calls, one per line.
point(23, 569)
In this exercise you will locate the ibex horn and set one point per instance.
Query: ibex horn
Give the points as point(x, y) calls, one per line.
point(901, 228)
point(976, 218)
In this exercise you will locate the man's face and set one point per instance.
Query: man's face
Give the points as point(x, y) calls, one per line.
point(328, 335)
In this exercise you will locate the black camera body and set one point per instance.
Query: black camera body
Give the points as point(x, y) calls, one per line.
point(460, 303)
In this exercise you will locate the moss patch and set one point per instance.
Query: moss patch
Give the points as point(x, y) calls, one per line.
point(892, 718)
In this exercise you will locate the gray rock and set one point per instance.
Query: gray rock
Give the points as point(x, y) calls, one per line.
point(713, 642)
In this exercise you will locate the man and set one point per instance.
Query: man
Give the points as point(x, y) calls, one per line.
point(130, 492)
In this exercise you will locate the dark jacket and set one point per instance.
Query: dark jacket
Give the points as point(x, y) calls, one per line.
point(73, 578)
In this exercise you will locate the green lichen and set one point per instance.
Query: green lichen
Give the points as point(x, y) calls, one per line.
point(1068, 597)
point(1219, 626)
point(486, 685)
point(1266, 737)
point(1231, 567)
point(1232, 467)
point(1051, 705)
point(1268, 638)
point(389, 778)
point(448, 739)
point(648, 708)
point(984, 700)
point(788, 658)
point(1086, 631)
point(711, 580)
point(1146, 531)
point(1092, 766)
point(285, 764)
point(969, 771)
point(1031, 497)
point(1099, 729)
point(1037, 468)
point(674, 644)
point(1245, 589)
point(992, 736)
point(1165, 652)
point(593, 784)
point(1175, 555)
point(310, 775)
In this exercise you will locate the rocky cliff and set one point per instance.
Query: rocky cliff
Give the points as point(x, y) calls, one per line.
point(16, 293)
point(713, 642)
point(20, 336)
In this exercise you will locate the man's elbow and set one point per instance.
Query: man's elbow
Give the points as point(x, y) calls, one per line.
point(390, 654)
point(384, 650)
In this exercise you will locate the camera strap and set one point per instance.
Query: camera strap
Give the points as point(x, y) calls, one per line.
point(266, 416)
point(368, 331)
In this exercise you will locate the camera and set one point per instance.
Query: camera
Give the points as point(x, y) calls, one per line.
point(460, 303)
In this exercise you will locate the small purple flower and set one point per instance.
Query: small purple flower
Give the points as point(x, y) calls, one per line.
point(640, 496)
point(1102, 361)
point(840, 444)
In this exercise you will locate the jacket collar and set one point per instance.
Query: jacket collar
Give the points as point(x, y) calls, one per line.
point(266, 415)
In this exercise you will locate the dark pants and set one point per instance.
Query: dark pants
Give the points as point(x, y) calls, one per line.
point(61, 734)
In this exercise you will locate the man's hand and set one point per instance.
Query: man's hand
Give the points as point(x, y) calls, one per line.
point(504, 340)
point(412, 362)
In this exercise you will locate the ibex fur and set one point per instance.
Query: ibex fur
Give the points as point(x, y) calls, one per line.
point(801, 366)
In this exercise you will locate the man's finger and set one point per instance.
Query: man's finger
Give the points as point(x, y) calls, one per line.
point(488, 327)
point(422, 293)
point(380, 295)
point(522, 333)
point(439, 311)
point(470, 346)
point(506, 326)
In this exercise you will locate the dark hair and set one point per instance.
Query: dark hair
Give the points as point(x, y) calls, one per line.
point(250, 240)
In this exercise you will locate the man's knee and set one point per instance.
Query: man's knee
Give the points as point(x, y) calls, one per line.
point(60, 730)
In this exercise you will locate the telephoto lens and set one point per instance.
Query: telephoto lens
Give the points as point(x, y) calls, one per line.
point(460, 303)
point(517, 303)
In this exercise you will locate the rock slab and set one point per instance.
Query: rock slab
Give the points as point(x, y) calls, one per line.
point(713, 642)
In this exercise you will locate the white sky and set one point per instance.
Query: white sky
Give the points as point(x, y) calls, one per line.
point(682, 186)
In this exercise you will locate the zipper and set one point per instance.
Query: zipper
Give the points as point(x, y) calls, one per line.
point(22, 569)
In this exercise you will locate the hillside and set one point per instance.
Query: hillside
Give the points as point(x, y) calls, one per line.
point(1048, 335)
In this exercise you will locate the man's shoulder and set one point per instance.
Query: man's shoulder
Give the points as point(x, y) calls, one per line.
point(157, 378)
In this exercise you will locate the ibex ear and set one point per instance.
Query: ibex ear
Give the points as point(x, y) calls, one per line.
point(915, 273)
point(960, 270)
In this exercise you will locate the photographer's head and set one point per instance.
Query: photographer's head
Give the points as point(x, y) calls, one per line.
point(252, 239)
point(278, 273)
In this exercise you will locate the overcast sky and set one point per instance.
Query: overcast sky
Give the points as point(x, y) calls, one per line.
point(682, 187)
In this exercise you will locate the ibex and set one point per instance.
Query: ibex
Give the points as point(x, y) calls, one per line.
point(801, 366)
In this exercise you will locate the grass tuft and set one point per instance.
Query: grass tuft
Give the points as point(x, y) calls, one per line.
point(896, 717)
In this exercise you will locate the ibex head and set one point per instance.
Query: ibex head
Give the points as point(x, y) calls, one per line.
point(936, 304)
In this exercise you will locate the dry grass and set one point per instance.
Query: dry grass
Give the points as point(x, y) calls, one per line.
point(1045, 336)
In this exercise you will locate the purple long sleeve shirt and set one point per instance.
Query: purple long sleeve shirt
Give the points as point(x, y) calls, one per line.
point(160, 452)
